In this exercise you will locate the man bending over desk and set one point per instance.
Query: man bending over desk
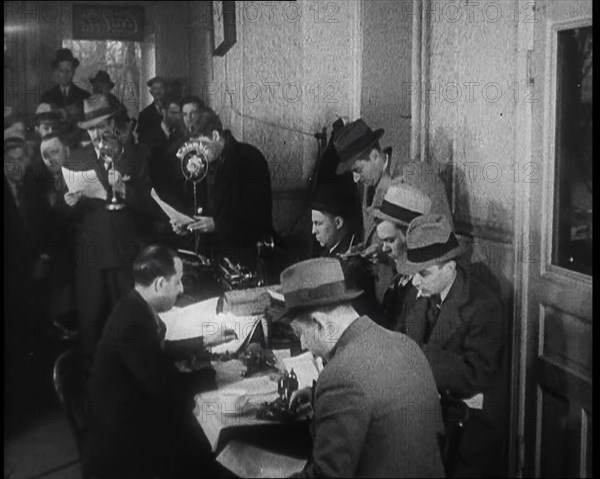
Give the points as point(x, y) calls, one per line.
point(141, 421)
point(376, 407)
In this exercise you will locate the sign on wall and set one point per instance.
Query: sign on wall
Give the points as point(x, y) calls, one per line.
point(102, 22)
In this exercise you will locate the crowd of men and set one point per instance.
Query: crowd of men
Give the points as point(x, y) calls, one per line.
point(412, 328)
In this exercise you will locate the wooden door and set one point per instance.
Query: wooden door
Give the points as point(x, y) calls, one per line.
point(555, 389)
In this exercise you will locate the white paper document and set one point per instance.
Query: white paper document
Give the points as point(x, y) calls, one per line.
point(85, 181)
point(247, 460)
point(194, 320)
point(171, 212)
point(475, 402)
point(304, 367)
point(201, 319)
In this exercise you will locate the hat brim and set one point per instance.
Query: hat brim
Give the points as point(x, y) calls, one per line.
point(84, 125)
point(347, 165)
point(376, 213)
point(406, 267)
point(288, 314)
point(93, 81)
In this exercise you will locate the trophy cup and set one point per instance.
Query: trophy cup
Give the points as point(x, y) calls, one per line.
point(111, 148)
point(193, 155)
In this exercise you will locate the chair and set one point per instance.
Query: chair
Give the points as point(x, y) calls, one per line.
point(455, 414)
point(71, 374)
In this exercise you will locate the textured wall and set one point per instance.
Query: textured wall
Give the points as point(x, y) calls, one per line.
point(472, 94)
point(291, 72)
point(386, 72)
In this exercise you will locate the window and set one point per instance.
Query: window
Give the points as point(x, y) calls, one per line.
point(572, 242)
point(122, 61)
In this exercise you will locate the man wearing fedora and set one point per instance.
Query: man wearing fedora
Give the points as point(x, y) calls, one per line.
point(401, 204)
point(65, 92)
point(103, 85)
point(107, 241)
point(375, 414)
point(150, 118)
point(458, 323)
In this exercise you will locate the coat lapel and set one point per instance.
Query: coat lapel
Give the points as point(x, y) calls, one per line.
point(449, 321)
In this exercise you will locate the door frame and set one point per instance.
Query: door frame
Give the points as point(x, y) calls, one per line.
point(523, 332)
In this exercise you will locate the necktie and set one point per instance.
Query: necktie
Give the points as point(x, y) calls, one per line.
point(434, 304)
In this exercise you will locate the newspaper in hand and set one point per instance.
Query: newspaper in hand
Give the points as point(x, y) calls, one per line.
point(174, 215)
point(85, 181)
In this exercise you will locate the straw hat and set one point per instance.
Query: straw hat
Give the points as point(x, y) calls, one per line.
point(401, 204)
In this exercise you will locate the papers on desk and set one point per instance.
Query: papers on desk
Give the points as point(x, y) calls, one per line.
point(305, 368)
point(246, 460)
point(201, 319)
point(85, 181)
point(174, 215)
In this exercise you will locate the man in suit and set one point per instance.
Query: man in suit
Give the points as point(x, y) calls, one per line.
point(235, 196)
point(149, 119)
point(376, 408)
point(65, 92)
point(103, 85)
point(458, 323)
point(401, 204)
point(107, 241)
point(141, 422)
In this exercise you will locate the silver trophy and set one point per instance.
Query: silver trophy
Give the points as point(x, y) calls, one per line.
point(111, 148)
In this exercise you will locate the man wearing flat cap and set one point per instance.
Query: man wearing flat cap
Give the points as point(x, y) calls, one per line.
point(107, 241)
point(458, 323)
point(150, 118)
point(65, 92)
point(375, 415)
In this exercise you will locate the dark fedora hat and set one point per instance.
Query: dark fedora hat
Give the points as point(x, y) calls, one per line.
point(96, 109)
point(429, 241)
point(153, 80)
point(102, 76)
point(334, 196)
point(64, 55)
point(312, 283)
point(352, 140)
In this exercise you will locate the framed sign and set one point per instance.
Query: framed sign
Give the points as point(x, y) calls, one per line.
point(224, 36)
point(105, 22)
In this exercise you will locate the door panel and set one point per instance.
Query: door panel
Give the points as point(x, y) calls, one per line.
point(556, 350)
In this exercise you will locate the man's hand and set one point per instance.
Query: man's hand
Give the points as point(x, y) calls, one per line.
point(116, 180)
point(204, 224)
point(222, 336)
point(179, 229)
point(71, 199)
point(371, 251)
point(301, 402)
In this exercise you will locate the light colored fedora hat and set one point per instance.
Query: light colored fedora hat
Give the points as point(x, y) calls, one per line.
point(314, 282)
point(401, 204)
point(429, 241)
point(96, 109)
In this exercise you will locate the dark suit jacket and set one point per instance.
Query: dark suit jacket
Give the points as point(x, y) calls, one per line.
point(467, 345)
point(148, 127)
point(112, 239)
point(241, 203)
point(54, 95)
point(376, 415)
point(139, 403)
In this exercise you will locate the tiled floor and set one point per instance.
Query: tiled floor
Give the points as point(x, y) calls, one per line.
point(37, 436)
point(47, 443)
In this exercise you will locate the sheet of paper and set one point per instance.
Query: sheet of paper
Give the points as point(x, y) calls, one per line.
point(195, 320)
point(85, 181)
point(304, 367)
point(280, 355)
point(171, 212)
point(475, 402)
point(247, 460)
point(242, 325)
